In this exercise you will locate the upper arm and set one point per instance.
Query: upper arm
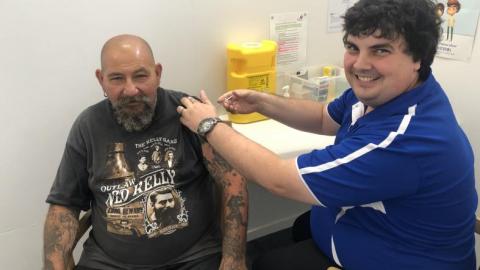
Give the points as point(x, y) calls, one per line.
point(55, 211)
point(329, 126)
point(70, 187)
point(291, 184)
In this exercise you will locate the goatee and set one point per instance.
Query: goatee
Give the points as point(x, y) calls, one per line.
point(134, 120)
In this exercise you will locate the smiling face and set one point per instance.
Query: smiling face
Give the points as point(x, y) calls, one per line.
point(379, 69)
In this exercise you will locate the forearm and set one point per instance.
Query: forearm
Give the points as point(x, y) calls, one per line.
point(60, 229)
point(234, 211)
point(305, 115)
point(234, 218)
point(259, 164)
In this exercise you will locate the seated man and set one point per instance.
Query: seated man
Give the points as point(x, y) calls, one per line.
point(135, 225)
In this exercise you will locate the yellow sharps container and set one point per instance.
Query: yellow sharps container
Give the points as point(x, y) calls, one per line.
point(251, 65)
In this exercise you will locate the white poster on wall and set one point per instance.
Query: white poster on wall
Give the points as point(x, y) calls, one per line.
point(289, 30)
point(460, 20)
point(336, 9)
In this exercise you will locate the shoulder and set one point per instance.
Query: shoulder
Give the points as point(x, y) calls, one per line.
point(173, 95)
point(92, 114)
point(93, 111)
point(89, 118)
point(342, 105)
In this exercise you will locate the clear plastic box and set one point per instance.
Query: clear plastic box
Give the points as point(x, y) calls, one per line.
point(320, 83)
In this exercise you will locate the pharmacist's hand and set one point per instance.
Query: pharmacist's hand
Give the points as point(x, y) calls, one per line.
point(240, 101)
point(192, 111)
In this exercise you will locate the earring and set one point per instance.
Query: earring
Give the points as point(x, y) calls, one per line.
point(105, 94)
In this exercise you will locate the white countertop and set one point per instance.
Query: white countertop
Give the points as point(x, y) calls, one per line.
point(281, 139)
point(267, 212)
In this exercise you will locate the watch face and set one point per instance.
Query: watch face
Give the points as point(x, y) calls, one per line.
point(206, 125)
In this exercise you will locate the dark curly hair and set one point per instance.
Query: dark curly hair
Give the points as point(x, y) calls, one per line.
point(414, 20)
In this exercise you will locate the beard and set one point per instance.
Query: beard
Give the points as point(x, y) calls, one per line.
point(134, 120)
point(166, 216)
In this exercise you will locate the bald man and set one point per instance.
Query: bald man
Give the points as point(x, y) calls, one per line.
point(100, 171)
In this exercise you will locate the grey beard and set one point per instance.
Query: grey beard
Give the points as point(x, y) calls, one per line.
point(134, 121)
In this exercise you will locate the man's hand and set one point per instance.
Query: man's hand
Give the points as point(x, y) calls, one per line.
point(193, 111)
point(241, 101)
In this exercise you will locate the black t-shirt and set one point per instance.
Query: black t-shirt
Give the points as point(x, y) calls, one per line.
point(153, 202)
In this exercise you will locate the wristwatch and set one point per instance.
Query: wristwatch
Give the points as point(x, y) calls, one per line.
point(206, 125)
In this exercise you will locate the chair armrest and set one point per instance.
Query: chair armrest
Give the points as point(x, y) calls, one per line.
point(84, 224)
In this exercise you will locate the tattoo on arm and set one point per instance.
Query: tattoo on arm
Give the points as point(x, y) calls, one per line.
point(234, 211)
point(60, 229)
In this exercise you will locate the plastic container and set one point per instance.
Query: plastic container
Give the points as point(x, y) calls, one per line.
point(319, 83)
point(251, 65)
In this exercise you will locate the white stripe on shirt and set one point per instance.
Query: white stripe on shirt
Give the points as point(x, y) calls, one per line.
point(364, 150)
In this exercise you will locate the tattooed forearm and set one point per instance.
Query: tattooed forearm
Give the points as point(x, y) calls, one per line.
point(235, 225)
point(60, 229)
point(234, 201)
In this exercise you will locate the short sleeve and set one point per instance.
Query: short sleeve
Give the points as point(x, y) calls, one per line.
point(336, 109)
point(359, 171)
point(70, 187)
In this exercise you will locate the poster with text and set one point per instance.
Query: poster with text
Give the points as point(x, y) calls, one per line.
point(289, 30)
point(336, 9)
point(459, 25)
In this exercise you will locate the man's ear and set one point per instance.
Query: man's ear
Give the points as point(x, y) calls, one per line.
point(99, 75)
point(417, 66)
point(158, 70)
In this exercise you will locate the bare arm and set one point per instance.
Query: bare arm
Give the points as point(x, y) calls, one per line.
point(305, 115)
point(234, 213)
point(259, 164)
point(253, 161)
point(61, 226)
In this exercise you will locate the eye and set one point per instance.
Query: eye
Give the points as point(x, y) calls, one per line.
point(141, 77)
point(350, 47)
point(116, 78)
point(381, 51)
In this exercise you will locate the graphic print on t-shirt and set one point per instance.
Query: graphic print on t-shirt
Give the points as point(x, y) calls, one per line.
point(142, 199)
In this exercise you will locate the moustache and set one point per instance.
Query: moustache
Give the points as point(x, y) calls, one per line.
point(128, 100)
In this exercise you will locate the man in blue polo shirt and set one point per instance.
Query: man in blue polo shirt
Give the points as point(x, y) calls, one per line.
point(397, 189)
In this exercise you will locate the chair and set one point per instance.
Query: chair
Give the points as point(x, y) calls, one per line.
point(84, 224)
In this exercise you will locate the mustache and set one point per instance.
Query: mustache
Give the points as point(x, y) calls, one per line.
point(127, 100)
point(137, 120)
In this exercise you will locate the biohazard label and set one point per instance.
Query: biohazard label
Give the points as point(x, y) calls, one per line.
point(259, 83)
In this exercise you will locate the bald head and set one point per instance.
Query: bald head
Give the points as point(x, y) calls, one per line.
point(120, 45)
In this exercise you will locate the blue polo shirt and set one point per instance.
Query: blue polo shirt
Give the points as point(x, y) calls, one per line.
point(397, 189)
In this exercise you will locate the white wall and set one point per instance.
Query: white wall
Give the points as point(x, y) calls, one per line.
point(49, 51)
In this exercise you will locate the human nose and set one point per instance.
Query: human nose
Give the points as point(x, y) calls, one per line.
point(130, 88)
point(362, 61)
